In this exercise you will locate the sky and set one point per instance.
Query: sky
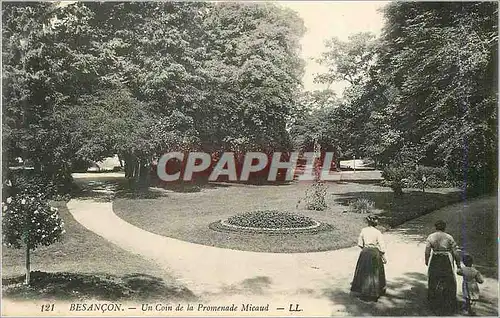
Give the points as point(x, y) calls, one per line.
point(326, 19)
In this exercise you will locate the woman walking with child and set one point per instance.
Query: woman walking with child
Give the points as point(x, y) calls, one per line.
point(440, 255)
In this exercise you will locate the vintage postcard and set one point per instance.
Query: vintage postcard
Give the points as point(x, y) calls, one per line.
point(263, 159)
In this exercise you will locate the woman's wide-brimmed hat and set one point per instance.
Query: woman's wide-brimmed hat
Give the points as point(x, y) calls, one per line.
point(372, 218)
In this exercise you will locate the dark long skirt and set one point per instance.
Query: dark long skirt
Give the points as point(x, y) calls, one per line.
point(442, 286)
point(369, 277)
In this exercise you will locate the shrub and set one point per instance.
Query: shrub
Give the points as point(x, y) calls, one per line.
point(403, 176)
point(49, 186)
point(29, 221)
point(435, 177)
point(361, 205)
point(315, 196)
point(396, 178)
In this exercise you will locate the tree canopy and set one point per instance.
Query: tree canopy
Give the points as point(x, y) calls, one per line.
point(86, 80)
point(424, 92)
point(442, 63)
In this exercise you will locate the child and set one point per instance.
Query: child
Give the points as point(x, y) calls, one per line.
point(471, 278)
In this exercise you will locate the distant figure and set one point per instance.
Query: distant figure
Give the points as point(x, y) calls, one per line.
point(369, 277)
point(471, 278)
point(442, 286)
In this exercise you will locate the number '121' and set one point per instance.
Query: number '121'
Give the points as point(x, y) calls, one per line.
point(48, 307)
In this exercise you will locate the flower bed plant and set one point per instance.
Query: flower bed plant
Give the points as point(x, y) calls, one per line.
point(270, 222)
point(272, 219)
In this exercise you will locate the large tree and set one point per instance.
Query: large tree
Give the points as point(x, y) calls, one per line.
point(155, 77)
point(426, 91)
point(227, 73)
point(254, 71)
point(319, 119)
point(441, 60)
point(49, 60)
point(116, 122)
point(351, 62)
point(38, 77)
point(348, 61)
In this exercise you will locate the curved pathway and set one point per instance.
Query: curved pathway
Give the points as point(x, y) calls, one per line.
point(318, 281)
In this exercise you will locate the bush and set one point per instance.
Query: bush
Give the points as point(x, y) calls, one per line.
point(435, 177)
point(26, 214)
point(396, 178)
point(49, 186)
point(29, 221)
point(404, 177)
point(361, 205)
point(315, 197)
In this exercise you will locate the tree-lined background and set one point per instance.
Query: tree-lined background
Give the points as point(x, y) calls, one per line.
point(421, 99)
point(88, 80)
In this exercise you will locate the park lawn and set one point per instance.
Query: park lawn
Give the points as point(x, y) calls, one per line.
point(186, 216)
point(396, 210)
point(83, 265)
point(473, 224)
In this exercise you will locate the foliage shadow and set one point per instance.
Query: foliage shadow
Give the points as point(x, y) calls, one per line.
point(73, 286)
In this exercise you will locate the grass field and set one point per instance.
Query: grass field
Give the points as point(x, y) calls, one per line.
point(84, 265)
point(395, 210)
point(474, 225)
point(186, 216)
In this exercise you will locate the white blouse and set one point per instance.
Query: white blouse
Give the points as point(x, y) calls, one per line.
point(371, 237)
point(441, 242)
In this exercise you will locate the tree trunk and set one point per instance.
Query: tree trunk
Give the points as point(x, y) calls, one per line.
point(27, 224)
point(120, 160)
point(336, 158)
point(37, 167)
point(317, 163)
point(144, 174)
point(130, 169)
point(28, 265)
point(398, 190)
point(127, 158)
point(137, 171)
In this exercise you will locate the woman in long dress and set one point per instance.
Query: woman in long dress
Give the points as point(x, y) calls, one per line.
point(441, 253)
point(369, 278)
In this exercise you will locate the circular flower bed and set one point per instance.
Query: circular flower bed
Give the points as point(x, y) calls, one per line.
point(270, 219)
point(271, 222)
